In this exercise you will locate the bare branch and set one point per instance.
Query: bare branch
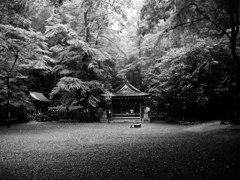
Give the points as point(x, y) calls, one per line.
point(210, 20)
point(185, 23)
point(200, 19)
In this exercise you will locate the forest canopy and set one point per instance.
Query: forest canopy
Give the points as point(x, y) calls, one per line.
point(185, 53)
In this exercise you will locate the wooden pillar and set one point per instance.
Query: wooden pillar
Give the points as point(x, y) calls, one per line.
point(140, 111)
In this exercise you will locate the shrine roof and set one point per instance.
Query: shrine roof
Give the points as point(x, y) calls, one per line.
point(126, 89)
point(39, 96)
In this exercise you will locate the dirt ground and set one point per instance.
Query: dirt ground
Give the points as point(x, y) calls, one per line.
point(58, 150)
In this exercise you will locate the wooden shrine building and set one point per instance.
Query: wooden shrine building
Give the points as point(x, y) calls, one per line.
point(126, 104)
point(39, 101)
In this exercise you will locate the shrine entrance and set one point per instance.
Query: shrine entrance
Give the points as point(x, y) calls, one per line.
point(126, 109)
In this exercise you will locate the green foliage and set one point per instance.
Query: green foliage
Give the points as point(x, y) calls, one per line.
point(21, 49)
point(76, 61)
point(83, 45)
point(190, 79)
point(180, 48)
point(153, 12)
point(78, 47)
point(76, 92)
point(183, 48)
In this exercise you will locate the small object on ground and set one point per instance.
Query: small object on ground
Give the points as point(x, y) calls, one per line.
point(137, 125)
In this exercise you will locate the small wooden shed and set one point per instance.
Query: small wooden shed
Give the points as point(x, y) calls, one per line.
point(40, 101)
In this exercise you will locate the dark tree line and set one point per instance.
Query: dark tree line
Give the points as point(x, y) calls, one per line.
point(190, 57)
point(186, 53)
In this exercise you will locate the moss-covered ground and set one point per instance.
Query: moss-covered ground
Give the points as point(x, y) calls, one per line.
point(60, 150)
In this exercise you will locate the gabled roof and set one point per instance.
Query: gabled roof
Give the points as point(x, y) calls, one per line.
point(39, 96)
point(126, 89)
point(129, 90)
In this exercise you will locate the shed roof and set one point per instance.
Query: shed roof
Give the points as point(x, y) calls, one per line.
point(39, 96)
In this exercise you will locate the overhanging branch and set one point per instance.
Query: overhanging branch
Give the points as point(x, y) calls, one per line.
point(210, 20)
point(185, 23)
point(200, 19)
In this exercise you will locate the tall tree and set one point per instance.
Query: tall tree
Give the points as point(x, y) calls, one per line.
point(21, 49)
point(82, 41)
point(216, 18)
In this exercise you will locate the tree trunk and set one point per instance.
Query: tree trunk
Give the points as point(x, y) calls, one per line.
point(236, 116)
point(8, 101)
point(87, 33)
point(234, 19)
point(9, 74)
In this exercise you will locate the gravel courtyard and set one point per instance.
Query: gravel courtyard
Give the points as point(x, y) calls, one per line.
point(59, 150)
